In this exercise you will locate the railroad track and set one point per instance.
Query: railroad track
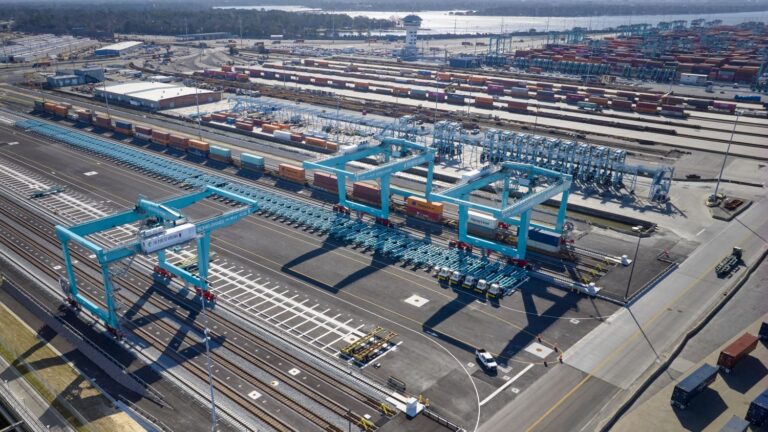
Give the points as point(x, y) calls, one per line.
point(334, 406)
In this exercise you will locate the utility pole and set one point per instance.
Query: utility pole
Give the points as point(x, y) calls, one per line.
point(634, 260)
point(713, 197)
point(210, 363)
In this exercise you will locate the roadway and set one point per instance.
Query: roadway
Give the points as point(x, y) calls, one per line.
point(602, 367)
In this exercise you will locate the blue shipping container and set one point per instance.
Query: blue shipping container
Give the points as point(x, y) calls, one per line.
point(693, 384)
point(757, 414)
point(250, 161)
point(230, 120)
point(545, 237)
point(455, 99)
point(750, 98)
point(123, 125)
point(221, 151)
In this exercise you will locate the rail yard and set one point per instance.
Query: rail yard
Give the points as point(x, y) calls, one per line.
point(299, 236)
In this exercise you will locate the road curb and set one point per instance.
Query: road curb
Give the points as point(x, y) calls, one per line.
point(653, 375)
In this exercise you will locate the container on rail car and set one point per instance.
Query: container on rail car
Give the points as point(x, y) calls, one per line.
point(167, 238)
point(421, 208)
point(325, 181)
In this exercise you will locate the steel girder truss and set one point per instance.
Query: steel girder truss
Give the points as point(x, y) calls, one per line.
point(341, 126)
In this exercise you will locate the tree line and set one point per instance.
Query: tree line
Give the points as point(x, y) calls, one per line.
point(177, 18)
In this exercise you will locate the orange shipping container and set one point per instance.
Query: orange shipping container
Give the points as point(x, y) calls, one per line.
point(422, 204)
point(317, 142)
point(332, 146)
point(291, 172)
point(199, 145)
point(268, 128)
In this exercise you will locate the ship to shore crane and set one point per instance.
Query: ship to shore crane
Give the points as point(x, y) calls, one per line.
point(162, 226)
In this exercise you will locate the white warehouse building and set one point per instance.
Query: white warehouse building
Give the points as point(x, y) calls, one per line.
point(118, 49)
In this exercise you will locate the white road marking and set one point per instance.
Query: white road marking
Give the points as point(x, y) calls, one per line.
point(699, 233)
point(506, 384)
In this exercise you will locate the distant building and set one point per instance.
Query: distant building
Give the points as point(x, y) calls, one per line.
point(154, 96)
point(411, 24)
point(57, 81)
point(76, 77)
point(118, 49)
point(203, 36)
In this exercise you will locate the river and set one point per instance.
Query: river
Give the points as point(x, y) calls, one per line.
point(442, 22)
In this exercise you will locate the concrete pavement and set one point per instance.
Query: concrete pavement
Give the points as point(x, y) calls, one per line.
point(621, 349)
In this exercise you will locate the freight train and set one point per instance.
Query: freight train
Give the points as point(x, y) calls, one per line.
point(189, 146)
point(496, 87)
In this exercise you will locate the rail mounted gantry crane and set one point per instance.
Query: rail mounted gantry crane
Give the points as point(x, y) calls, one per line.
point(162, 226)
point(396, 154)
point(531, 186)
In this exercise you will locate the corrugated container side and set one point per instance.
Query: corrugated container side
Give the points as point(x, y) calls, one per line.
point(757, 413)
point(365, 192)
point(143, 130)
point(325, 181)
point(246, 126)
point(291, 172)
point(252, 160)
point(736, 351)
point(282, 135)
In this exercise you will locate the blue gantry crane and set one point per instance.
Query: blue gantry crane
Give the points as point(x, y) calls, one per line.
point(396, 154)
point(524, 187)
point(162, 226)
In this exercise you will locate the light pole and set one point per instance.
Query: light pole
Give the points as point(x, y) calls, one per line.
point(713, 197)
point(638, 229)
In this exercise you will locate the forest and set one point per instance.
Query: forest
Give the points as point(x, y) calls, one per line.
point(174, 18)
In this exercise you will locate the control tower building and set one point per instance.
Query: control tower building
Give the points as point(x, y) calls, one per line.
point(411, 24)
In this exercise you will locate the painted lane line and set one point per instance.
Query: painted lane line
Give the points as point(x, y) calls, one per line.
point(506, 384)
point(699, 233)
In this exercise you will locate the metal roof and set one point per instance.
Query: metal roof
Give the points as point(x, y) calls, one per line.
point(152, 91)
point(120, 46)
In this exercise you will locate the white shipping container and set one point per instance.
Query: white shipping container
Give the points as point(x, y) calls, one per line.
point(281, 134)
point(482, 220)
point(693, 79)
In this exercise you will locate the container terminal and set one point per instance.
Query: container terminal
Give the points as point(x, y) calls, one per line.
point(554, 232)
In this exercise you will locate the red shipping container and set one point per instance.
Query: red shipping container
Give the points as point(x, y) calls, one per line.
point(366, 193)
point(325, 181)
point(736, 351)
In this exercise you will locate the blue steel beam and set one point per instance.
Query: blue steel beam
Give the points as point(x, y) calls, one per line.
point(163, 210)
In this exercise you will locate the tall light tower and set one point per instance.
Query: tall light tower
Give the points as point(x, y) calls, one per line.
point(411, 24)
